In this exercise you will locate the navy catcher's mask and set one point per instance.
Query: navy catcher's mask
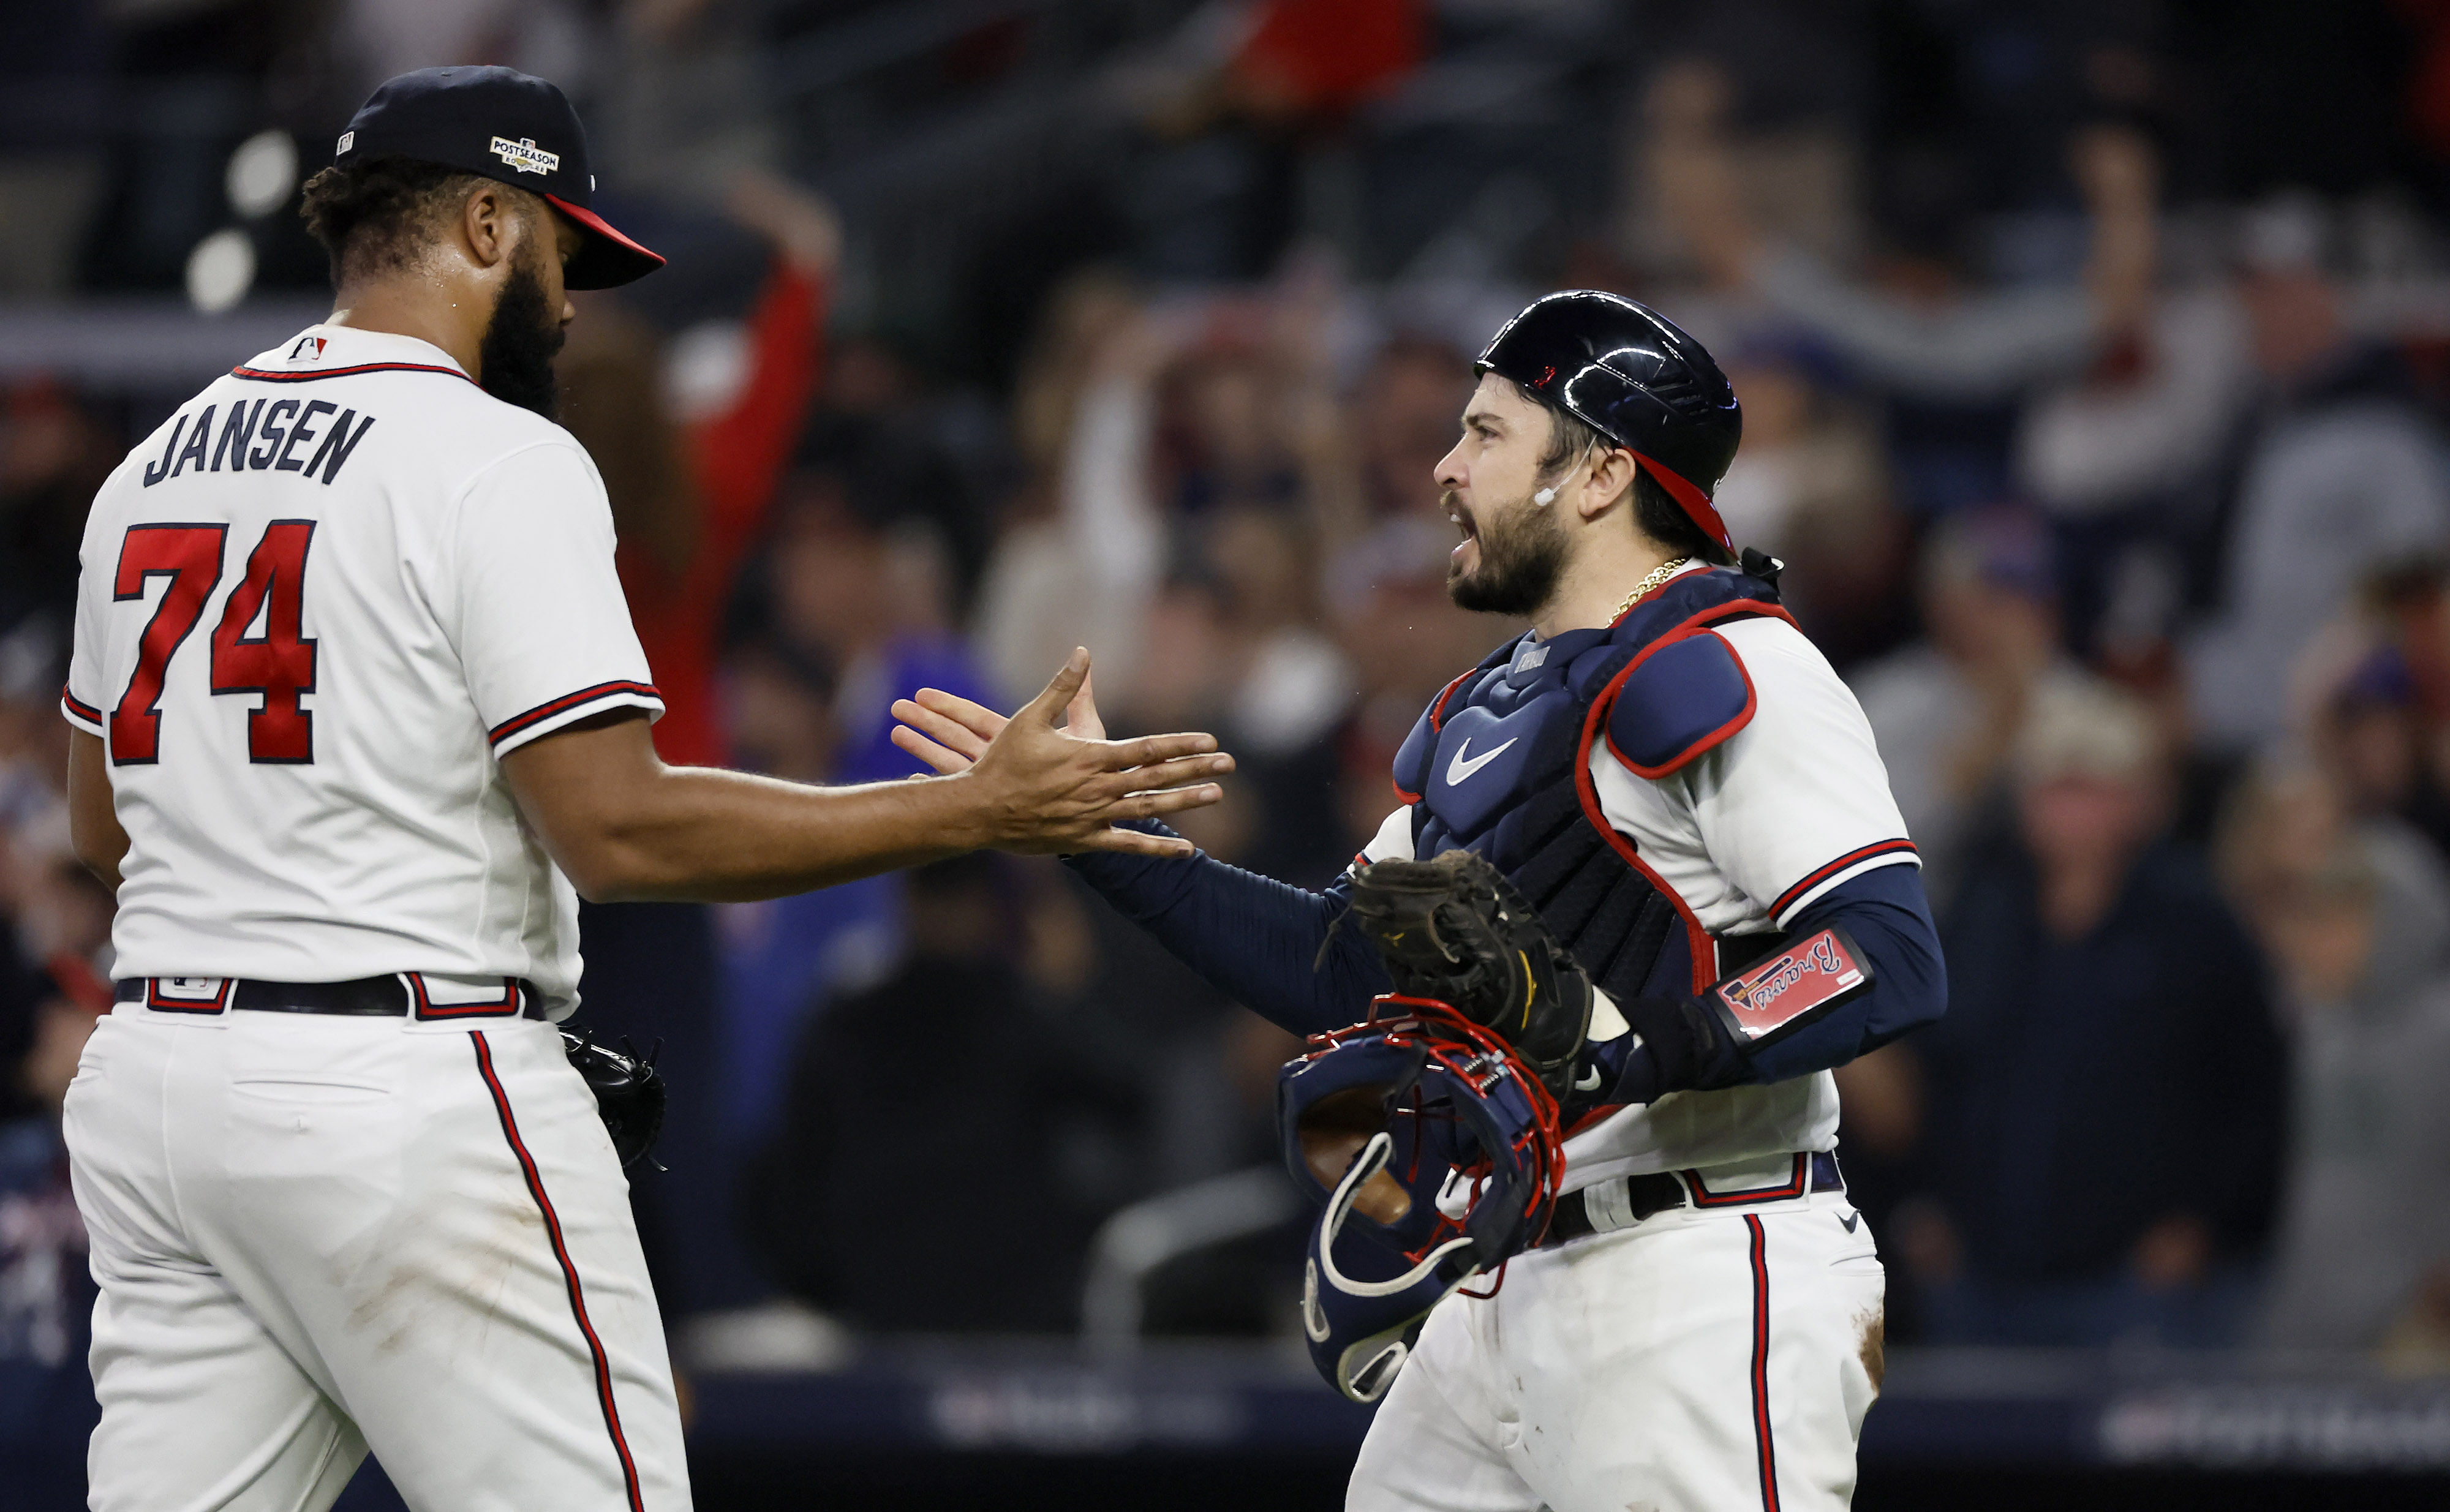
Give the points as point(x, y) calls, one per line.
point(1444, 1156)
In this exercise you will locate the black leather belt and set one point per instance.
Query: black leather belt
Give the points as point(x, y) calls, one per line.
point(390, 996)
point(1656, 1191)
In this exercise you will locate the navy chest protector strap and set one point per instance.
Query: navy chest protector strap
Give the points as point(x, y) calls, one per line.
point(1501, 764)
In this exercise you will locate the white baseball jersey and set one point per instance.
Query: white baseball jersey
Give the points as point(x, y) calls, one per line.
point(1719, 1353)
point(317, 605)
point(1746, 835)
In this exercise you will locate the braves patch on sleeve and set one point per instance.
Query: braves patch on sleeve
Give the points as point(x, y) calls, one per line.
point(1772, 999)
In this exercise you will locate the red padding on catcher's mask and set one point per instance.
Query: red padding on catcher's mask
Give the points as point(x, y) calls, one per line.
point(1694, 503)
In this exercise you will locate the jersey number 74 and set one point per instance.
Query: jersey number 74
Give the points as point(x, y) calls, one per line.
point(277, 665)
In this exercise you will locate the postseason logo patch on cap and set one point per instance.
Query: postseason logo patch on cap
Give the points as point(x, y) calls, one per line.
point(525, 156)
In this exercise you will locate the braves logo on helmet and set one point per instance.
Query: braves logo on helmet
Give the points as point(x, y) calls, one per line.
point(1436, 1158)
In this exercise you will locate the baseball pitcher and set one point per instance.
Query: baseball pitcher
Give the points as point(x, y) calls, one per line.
point(357, 702)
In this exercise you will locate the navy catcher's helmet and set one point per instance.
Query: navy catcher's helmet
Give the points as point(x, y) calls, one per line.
point(1455, 1158)
point(1623, 369)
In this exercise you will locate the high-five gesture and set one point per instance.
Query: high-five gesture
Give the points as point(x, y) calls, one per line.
point(624, 826)
point(1048, 789)
point(950, 733)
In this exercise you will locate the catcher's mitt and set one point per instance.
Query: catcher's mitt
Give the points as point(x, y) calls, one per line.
point(1455, 930)
point(629, 1093)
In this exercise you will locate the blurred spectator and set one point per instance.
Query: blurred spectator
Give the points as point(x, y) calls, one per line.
point(2356, 919)
point(869, 599)
point(782, 957)
point(690, 498)
point(2341, 475)
point(1080, 572)
point(1406, 409)
point(969, 1211)
point(934, 458)
point(54, 936)
point(842, 608)
point(1326, 56)
point(1946, 710)
point(1810, 486)
point(1713, 122)
point(690, 476)
point(2373, 736)
point(550, 38)
point(1919, 328)
point(1205, 473)
point(2107, 1090)
point(2128, 456)
point(684, 95)
point(52, 456)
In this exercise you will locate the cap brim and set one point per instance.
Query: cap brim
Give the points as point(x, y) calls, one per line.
point(607, 259)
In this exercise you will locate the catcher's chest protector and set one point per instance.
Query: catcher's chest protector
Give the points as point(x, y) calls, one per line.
point(1499, 765)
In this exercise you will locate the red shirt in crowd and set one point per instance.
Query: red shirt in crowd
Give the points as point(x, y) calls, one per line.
point(735, 459)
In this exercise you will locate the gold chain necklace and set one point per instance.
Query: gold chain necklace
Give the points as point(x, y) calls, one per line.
point(1659, 575)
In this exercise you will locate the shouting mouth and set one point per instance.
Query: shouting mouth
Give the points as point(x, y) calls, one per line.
point(1460, 514)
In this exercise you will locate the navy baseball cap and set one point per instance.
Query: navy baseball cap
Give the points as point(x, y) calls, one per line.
point(502, 125)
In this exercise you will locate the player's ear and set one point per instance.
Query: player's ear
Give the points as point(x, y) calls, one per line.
point(1610, 483)
point(488, 223)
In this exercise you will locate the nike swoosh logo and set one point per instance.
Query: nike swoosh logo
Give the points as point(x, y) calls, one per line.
point(1590, 1081)
point(1460, 768)
point(1850, 1220)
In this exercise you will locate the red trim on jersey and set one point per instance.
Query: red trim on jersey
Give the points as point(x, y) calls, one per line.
point(1705, 742)
point(219, 1001)
point(1703, 948)
point(569, 1270)
point(564, 703)
point(79, 706)
point(1705, 1198)
point(1768, 1451)
point(1885, 847)
point(428, 1010)
point(266, 376)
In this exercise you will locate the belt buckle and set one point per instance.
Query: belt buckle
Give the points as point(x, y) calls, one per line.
point(188, 995)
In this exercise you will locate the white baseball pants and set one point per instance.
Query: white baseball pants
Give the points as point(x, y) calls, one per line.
point(317, 1235)
point(1698, 1361)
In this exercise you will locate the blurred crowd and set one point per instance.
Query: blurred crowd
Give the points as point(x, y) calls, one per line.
point(2107, 469)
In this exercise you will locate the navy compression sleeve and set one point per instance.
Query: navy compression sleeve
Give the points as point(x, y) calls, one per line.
point(1255, 938)
point(1682, 1044)
point(1885, 911)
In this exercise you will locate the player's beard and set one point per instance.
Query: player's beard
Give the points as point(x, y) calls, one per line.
point(1522, 557)
point(522, 339)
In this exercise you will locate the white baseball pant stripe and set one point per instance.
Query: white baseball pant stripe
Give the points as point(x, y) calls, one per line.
point(314, 1235)
point(1703, 1360)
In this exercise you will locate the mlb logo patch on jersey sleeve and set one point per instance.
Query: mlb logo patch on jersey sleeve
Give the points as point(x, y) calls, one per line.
point(1804, 981)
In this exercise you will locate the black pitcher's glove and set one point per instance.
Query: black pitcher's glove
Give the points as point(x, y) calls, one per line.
point(629, 1093)
point(1455, 929)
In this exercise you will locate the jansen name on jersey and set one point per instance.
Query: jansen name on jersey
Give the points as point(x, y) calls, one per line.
point(316, 607)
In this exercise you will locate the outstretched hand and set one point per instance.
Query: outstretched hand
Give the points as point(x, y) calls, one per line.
point(1052, 788)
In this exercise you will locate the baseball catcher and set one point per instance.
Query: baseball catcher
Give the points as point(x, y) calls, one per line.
point(1643, 887)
